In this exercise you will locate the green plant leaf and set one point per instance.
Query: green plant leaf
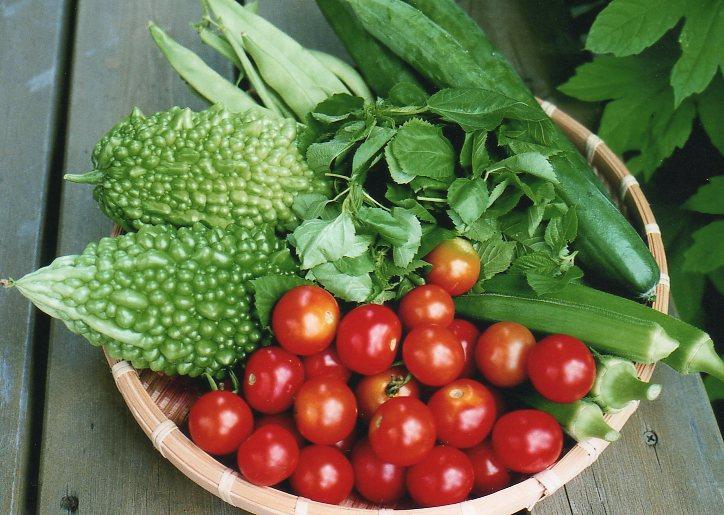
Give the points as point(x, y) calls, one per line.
point(383, 222)
point(432, 236)
point(495, 256)
point(468, 198)
point(708, 198)
point(701, 40)
point(352, 288)
point(309, 205)
point(709, 104)
point(378, 138)
point(407, 94)
point(403, 254)
point(480, 157)
point(626, 27)
point(544, 283)
point(420, 149)
point(532, 163)
point(560, 231)
point(707, 252)
point(479, 109)
point(320, 241)
point(269, 289)
point(403, 196)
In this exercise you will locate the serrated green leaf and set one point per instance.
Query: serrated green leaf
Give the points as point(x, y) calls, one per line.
point(707, 252)
point(626, 27)
point(709, 104)
point(545, 284)
point(496, 256)
point(480, 155)
point(309, 205)
point(468, 198)
point(708, 198)
point(562, 230)
point(403, 196)
point(532, 163)
point(535, 217)
point(407, 94)
point(396, 172)
point(421, 149)
point(479, 109)
point(403, 254)
point(481, 229)
point(701, 40)
point(383, 222)
point(320, 241)
point(321, 155)
point(539, 262)
point(269, 289)
point(378, 138)
point(466, 152)
point(352, 288)
point(432, 236)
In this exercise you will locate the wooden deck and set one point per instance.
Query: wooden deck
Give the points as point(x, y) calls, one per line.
point(69, 70)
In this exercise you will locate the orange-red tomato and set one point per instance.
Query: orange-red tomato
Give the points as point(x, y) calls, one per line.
point(502, 351)
point(219, 421)
point(490, 473)
point(444, 476)
point(468, 335)
point(305, 320)
point(373, 391)
point(561, 368)
point(402, 431)
point(464, 412)
point(271, 379)
point(325, 410)
point(455, 266)
point(326, 364)
point(426, 305)
point(376, 480)
point(368, 338)
point(527, 440)
point(433, 355)
point(324, 474)
point(268, 456)
point(284, 420)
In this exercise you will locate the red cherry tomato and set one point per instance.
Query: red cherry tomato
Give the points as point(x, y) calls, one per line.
point(402, 431)
point(368, 338)
point(444, 476)
point(561, 368)
point(305, 320)
point(527, 440)
point(455, 266)
point(219, 421)
point(490, 473)
point(271, 379)
point(501, 353)
point(464, 412)
point(325, 410)
point(326, 364)
point(323, 475)
point(345, 444)
point(268, 456)
point(376, 480)
point(373, 391)
point(433, 355)
point(467, 334)
point(284, 420)
point(427, 305)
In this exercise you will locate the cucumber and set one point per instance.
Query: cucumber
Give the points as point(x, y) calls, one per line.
point(381, 68)
point(607, 243)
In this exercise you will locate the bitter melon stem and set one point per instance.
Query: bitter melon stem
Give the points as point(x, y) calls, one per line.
point(92, 177)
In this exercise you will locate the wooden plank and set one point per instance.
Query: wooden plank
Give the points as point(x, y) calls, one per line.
point(32, 37)
point(93, 452)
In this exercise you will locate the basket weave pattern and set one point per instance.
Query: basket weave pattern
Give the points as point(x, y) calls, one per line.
point(160, 403)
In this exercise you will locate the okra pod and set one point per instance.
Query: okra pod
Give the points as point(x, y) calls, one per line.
point(617, 384)
point(581, 419)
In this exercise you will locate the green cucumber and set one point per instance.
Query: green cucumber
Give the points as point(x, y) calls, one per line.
point(607, 243)
point(381, 68)
point(617, 384)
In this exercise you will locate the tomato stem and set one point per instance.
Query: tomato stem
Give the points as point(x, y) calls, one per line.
point(396, 383)
point(234, 381)
point(212, 383)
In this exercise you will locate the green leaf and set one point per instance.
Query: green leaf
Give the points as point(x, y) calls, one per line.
point(479, 109)
point(709, 105)
point(407, 94)
point(562, 230)
point(432, 236)
point(708, 198)
point(268, 290)
point(480, 156)
point(309, 205)
point(626, 27)
point(717, 279)
point(533, 163)
point(352, 288)
point(403, 196)
point(702, 41)
point(388, 226)
point(403, 254)
point(707, 252)
point(544, 284)
point(321, 155)
point(466, 152)
point(320, 241)
point(495, 256)
point(378, 138)
point(420, 149)
point(535, 217)
point(468, 198)
point(396, 172)
point(539, 262)
point(481, 229)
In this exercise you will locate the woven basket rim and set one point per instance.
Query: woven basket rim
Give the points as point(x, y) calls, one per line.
point(227, 484)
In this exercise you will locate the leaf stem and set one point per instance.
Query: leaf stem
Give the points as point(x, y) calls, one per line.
point(340, 195)
point(374, 201)
point(431, 199)
point(337, 176)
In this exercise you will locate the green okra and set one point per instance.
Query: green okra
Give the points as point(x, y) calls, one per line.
point(617, 384)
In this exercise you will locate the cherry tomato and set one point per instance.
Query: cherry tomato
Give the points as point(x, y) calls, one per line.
point(326, 364)
point(368, 338)
point(219, 421)
point(464, 413)
point(527, 440)
point(402, 431)
point(271, 379)
point(373, 391)
point(433, 355)
point(502, 351)
point(444, 476)
point(325, 410)
point(345, 444)
point(427, 305)
point(490, 473)
point(376, 480)
point(455, 266)
point(305, 320)
point(268, 456)
point(561, 368)
point(467, 334)
point(284, 420)
point(323, 474)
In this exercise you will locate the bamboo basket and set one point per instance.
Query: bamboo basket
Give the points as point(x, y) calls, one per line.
point(160, 404)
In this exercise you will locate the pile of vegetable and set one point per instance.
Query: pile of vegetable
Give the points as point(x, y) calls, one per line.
point(330, 215)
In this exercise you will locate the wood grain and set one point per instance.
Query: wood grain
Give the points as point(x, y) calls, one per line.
point(92, 448)
point(31, 53)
